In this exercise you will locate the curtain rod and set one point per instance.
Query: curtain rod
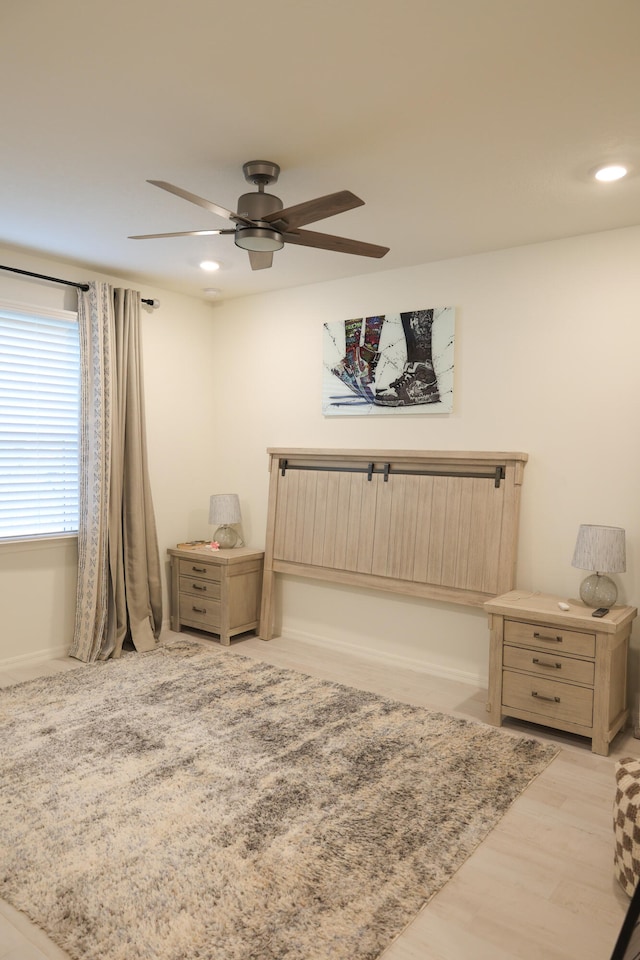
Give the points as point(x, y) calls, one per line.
point(68, 283)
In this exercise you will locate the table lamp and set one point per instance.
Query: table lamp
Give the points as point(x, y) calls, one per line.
point(602, 549)
point(224, 508)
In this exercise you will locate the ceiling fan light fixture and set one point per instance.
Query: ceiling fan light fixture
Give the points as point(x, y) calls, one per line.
point(258, 239)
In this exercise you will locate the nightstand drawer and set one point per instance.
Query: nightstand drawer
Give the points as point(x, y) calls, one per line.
point(198, 568)
point(550, 638)
point(550, 699)
point(202, 611)
point(200, 588)
point(549, 664)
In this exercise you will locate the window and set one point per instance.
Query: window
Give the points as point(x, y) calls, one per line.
point(39, 419)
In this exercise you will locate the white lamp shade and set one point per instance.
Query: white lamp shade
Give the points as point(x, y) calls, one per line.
point(600, 548)
point(224, 508)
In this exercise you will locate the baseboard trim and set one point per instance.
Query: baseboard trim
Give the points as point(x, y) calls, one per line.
point(50, 653)
point(391, 659)
point(38, 656)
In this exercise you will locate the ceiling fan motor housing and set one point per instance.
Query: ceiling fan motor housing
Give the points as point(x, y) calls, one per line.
point(256, 206)
point(262, 236)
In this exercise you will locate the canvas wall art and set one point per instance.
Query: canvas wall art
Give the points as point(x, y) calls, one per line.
point(393, 363)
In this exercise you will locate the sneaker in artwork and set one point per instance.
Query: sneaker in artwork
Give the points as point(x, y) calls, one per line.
point(359, 374)
point(345, 372)
point(416, 384)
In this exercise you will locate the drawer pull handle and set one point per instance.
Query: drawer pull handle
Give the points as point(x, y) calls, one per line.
point(545, 663)
point(198, 586)
point(199, 569)
point(539, 696)
point(542, 636)
point(198, 610)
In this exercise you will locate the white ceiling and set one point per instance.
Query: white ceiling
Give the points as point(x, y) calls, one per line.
point(464, 125)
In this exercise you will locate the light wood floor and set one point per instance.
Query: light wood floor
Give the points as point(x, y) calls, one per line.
point(540, 886)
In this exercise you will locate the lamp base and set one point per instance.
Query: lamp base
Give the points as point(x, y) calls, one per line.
point(598, 591)
point(225, 536)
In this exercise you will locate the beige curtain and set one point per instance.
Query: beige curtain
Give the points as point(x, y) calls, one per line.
point(119, 593)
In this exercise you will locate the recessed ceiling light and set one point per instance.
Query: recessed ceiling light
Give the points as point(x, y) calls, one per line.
point(212, 292)
point(209, 265)
point(613, 172)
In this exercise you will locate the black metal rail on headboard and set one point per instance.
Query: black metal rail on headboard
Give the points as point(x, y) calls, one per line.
point(386, 469)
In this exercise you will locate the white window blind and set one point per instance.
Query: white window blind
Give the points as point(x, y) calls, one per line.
point(39, 420)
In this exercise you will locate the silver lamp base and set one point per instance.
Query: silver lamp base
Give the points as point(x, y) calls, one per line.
point(226, 537)
point(598, 590)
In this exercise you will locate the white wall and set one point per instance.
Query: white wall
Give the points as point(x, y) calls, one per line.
point(547, 347)
point(547, 356)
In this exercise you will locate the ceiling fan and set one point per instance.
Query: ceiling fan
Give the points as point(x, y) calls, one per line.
point(262, 225)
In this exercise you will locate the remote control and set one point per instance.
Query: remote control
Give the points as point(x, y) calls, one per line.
point(600, 612)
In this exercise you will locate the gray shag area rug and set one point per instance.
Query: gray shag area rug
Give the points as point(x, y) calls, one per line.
point(193, 804)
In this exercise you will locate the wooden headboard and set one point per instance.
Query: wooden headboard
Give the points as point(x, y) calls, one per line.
point(441, 525)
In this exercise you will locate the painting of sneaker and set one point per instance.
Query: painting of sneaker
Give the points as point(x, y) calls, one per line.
point(416, 384)
point(359, 375)
point(389, 364)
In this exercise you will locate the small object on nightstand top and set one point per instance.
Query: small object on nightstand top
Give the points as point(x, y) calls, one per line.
point(563, 606)
point(600, 612)
point(199, 546)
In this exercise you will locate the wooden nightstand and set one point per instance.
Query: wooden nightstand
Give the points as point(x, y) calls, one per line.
point(560, 668)
point(216, 590)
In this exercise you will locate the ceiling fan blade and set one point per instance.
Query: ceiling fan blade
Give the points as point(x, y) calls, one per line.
point(312, 210)
point(260, 259)
point(182, 233)
point(325, 241)
point(200, 201)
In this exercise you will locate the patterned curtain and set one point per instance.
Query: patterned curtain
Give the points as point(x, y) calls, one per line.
point(119, 593)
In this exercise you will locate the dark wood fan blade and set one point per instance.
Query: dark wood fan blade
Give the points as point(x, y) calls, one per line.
point(200, 201)
point(325, 241)
point(182, 233)
point(260, 259)
point(312, 210)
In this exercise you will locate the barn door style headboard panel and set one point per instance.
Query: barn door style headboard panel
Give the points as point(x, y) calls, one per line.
point(440, 525)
